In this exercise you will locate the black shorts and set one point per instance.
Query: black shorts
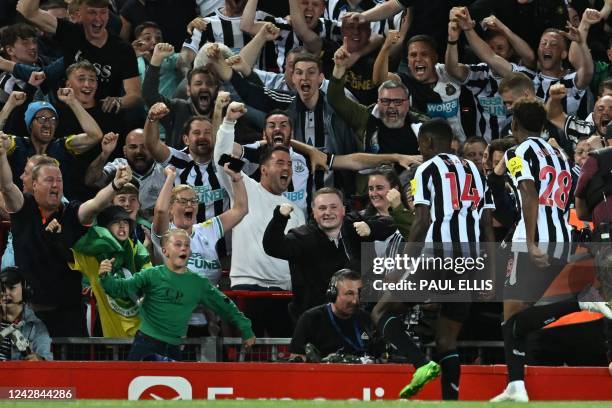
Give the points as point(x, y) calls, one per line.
point(527, 282)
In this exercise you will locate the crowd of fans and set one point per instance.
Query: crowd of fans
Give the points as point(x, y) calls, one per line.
point(117, 114)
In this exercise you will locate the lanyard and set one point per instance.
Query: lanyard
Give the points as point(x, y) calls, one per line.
point(359, 346)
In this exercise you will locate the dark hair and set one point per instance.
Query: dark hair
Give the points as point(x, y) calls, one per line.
point(278, 112)
point(342, 275)
point(307, 57)
point(147, 24)
point(83, 64)
point(475, 139)
point(188, 122)
point(607, 84)
point(529, 114)
point(204, 71)
point(266, 155)
point(95, 3)
point(328, 190)
point(10, 34)
point(53, 4)
point(427, 39)
point(439, 131)
point(515, 82)
point(391, 176)
point(500, 145)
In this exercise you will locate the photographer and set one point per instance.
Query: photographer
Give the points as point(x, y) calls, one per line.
point(29, 340)
point(337, 326)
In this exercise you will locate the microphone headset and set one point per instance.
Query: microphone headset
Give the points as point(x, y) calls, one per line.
point(11, 276)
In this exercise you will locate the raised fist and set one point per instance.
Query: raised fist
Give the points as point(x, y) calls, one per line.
point(158, 111)
point(235, 110)
point(285, 209)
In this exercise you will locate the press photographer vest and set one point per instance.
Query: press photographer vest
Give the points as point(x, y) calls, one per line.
point(600, 186)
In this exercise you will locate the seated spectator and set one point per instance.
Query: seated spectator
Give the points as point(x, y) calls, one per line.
point(339, 326)
point(15, 298)
point(171, 292)
point(110, 238)
point(41, 119)
point(316, 250)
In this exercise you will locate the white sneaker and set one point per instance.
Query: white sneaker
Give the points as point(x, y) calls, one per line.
point(515, 391)
point(598, 307)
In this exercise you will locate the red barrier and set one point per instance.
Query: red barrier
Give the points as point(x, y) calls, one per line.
point(149, 380)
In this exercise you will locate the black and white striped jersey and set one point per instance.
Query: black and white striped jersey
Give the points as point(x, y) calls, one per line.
point(288, 39)
point(575, 103)
point(221, 29)
point(576, 129)
point(456, 193)
point(213, 198)
point(8, 84)
point(439, 101)
point(491, 114)
point(536, 160)
point(336, 9)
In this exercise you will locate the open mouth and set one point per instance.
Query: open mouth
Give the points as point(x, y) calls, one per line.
point(188, 215)
point(305, 88)
point(547, 56)
point(97, 28)
point(308, 17)
point(86, 91)
point(54, 194)
point(420, 69)
point(204, 98)
point(183, 256)
point(604, 122)
point(284, 177)
point(278, 139)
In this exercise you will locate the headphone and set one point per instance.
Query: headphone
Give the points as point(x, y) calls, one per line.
point(12, 275)
point(332, 290)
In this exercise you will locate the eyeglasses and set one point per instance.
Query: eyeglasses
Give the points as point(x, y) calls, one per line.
point(185, 201)
point(395, 102)
point(44, 119)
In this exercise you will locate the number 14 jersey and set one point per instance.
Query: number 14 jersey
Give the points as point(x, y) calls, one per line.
point(456, 194)
point(536, 160)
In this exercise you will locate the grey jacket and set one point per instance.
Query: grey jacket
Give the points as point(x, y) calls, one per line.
point(35, 331)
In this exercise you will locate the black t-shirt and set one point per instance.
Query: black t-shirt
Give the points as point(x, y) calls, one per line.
point(69, 125)
point(114, 62)
point(171, 15)
point(41, 258)
point(359, 79)
point(315, 326)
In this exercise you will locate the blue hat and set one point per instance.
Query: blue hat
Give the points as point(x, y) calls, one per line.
point(34, 107)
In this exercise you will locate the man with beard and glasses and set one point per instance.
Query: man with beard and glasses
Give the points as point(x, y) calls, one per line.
point(114, 59)
point(148, 175)
point(194, 165)
point(41, 118)
point(387, 127)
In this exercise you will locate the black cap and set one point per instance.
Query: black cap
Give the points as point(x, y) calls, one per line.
point(113, 214)
point(11, 275)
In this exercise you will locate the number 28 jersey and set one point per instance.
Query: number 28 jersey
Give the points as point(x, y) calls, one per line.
point(456, 194)
point(536, 160)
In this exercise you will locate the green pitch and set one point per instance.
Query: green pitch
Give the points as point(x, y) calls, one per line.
point(297, 404)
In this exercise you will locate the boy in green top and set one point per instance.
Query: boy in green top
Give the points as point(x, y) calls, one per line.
point(171, 293)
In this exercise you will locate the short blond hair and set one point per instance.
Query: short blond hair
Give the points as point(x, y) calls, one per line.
point(178, 189)
point(172, 232)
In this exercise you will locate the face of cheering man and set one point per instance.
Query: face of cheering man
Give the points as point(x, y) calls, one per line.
point(313, 10)
point(307, 79)
point(48, 187)
point(278, 130)
point(347, 301)
point(199, 140)
point(393, 107)
point(357, 35)
point(203, 91)
point(136, 153)
point(552, 50)
point(42, 128)
point(328, 212)
point(602, 114)
point(422, 61)
point(474, 152)
point(276, 172)
point(84, 82)
point(94, 20)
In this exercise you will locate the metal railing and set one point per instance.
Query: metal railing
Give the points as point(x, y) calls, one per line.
point(211, 349)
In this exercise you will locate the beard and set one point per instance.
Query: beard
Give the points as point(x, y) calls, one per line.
point(393, 124)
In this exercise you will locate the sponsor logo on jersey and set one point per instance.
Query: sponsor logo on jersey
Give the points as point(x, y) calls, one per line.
point(492, 105)
point(443, 110)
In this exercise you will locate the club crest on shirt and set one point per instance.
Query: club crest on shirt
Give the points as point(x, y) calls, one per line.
point(299, 167)
point(450, 89)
